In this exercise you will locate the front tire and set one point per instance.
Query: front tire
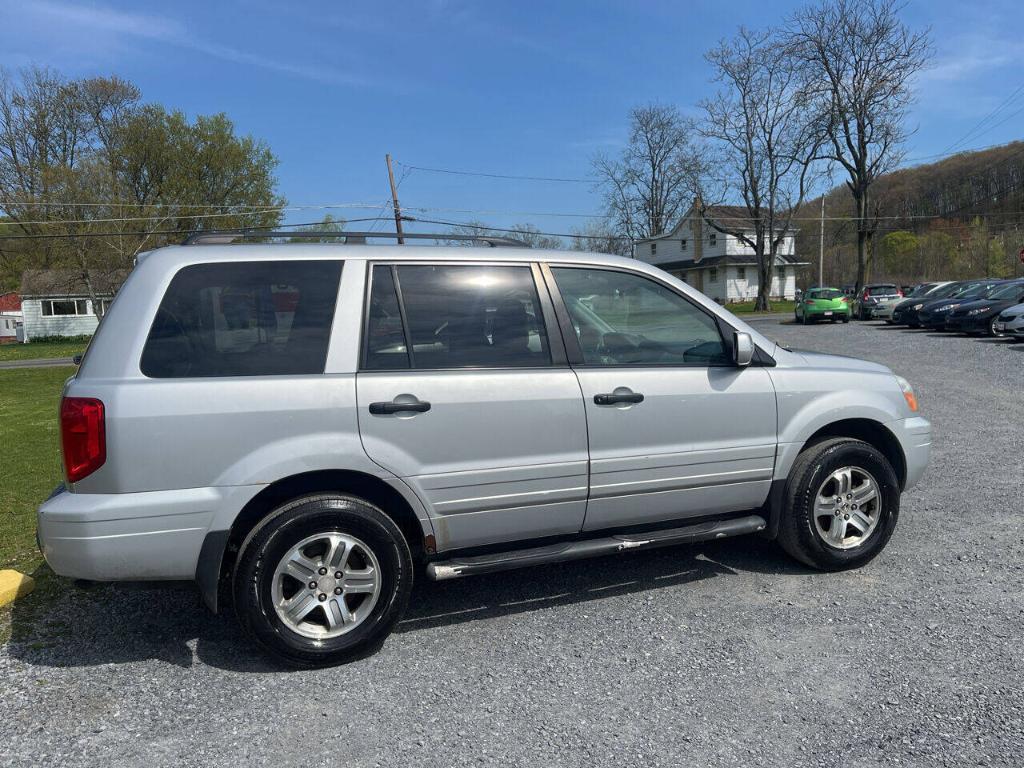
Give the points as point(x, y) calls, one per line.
point(322, 580)
point(842, 504)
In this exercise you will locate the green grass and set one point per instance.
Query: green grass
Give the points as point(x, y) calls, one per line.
point(30, 468)
point(41, 349)
point(31, 463)
point(747, 307)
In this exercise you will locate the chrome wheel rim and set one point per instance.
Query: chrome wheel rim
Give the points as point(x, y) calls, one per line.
point(847, 508)
point(326, 585)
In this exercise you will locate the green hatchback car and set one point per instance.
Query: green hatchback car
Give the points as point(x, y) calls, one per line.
point(823, 304)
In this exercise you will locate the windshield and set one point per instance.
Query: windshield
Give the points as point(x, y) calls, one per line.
point(971, 290)
point(951, 289)
point(824, 293)
point(920, 290)
point(1010, 291)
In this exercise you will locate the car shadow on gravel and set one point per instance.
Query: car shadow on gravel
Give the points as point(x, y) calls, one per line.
point(125, 623)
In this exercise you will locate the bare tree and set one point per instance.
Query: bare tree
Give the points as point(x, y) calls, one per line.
point(763, 143)
point(860, 59)
point(647, 187)
point(526, 233)
point(598, 236)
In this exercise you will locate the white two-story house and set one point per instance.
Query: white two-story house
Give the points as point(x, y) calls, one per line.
point(721, 266)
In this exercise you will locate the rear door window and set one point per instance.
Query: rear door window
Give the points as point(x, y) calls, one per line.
point(455, 316)
point(255, 318)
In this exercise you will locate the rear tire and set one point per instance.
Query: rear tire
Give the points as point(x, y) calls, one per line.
point(335, 622)
point(815, 482)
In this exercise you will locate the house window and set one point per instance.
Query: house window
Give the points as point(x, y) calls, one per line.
point(654, 248)
point(741, 273)
point(713, 275)
point(781, 272)
point(65, 307)
point(713, 239)
point(682, 244)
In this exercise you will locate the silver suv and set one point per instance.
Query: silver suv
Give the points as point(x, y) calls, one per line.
point(302, 428)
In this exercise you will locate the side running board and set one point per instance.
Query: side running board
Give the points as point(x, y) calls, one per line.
point(578, 550)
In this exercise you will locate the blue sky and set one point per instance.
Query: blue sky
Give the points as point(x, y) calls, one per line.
point(523, 88)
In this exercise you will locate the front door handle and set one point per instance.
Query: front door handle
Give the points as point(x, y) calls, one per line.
point(614, 398)
point(389, 407)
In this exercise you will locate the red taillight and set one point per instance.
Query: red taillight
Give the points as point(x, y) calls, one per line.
point(865, 296)
point(810, 301)
point(83, 436)
point(900, 294)
point(845, 299)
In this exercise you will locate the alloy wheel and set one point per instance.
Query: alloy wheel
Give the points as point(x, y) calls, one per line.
point(847, 508)
point(326, 585)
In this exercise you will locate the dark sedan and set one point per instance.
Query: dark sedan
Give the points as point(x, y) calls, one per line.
point(934, 313)
point(976, 317)
point(906, 312)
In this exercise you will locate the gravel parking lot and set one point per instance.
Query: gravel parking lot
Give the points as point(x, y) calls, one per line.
point(718, 654)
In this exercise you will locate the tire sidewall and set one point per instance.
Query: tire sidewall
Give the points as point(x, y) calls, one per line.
point(283, 530)
point(830, 457)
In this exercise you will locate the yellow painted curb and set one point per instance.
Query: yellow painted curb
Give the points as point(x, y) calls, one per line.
point(14, 585)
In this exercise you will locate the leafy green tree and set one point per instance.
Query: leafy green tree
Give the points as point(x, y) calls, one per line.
point(899, 252)
point(90, 176)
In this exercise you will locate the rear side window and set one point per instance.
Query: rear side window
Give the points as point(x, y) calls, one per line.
point(455, 316)
point(244, 319)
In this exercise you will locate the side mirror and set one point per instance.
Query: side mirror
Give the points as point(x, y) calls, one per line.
point(743, 349)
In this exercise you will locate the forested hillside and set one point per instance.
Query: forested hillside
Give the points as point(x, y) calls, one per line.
point(960, 217)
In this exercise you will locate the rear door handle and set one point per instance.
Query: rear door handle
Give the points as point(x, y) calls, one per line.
point(389, 407)
point(614, 398)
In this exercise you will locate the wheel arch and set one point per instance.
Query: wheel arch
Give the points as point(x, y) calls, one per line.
point(221, 548)
point(870, 431)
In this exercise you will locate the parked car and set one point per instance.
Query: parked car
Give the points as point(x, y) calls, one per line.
point(884, 308)
point(1011, 321)
point(305, 429)
point(822, 304)
point(869, 297)
point(981, 317)
point(933, 315)
point(906, 311)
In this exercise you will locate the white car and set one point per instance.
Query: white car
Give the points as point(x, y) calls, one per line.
point(1011, 321)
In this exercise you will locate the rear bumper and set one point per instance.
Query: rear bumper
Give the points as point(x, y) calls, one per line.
point(915, 437)
point(156, 535)
point(884, 311)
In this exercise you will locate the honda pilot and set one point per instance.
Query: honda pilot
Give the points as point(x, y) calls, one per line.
point(304, 429)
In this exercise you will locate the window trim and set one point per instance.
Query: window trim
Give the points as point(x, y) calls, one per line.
point(73, 300)
point(571, 341)
point(556, 344)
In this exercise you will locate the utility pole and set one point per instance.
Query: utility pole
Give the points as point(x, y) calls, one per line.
point(394, 201)
point(821, 245)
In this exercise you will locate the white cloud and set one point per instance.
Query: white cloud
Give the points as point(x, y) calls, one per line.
point(162, 29)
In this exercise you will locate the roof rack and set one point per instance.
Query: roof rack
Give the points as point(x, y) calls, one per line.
point(224, 236)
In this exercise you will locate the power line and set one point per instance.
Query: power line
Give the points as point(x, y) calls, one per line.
point(180, 233)
point(985, 119)
point(495, 175)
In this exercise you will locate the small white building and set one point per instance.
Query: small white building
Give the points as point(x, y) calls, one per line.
point(58, 302)
point(10, 318)
point(721, 266)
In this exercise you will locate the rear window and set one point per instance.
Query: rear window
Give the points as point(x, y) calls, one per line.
point(824, 293)
point(244, 319)
point(880, 290)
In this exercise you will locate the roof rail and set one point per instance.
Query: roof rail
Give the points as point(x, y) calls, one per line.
point(221, 237)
